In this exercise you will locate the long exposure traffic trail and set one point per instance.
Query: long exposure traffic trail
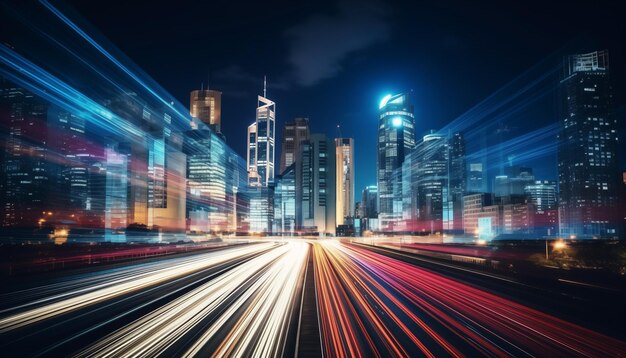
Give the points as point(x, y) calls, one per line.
point(372, 304)
point(238, 301)
point(273, 299)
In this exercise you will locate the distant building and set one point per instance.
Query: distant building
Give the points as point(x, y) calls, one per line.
point(261, 143)
point(543, 196)
point(285, 202)
point(476, 178)
point(433, 185)
point(473, 205)
point(457, 183)
point(206, 105)
point(396, 138)
point(587, 162)
point(489, 222)
point(315, 183)
point(518, 218)
point(512, 183)
point(261, 209)
point(358, 210)
point(430, 162)
point(294, 133)
point(369, 202)
point(344, 161)
point(26, 172)
point(251, 159)
point(211, 188)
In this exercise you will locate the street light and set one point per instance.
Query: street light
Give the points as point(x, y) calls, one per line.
point(559, 245)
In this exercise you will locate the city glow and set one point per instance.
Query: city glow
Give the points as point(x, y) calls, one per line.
point(383, 102)
point(133, 224)
point(396, 121)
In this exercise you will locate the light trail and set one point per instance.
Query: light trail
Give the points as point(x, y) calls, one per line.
point(116, 284)
point(371, 304)
point(249, 307)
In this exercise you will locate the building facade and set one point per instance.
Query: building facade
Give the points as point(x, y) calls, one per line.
point(261, 144)
point(206, 105)
point(315, 183)
point(294, 133)
point(344, 160)
point(587, 162)
point(396, 138)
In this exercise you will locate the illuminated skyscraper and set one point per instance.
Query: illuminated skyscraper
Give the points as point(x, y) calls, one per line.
point(430, 174)
point(587, 163)
point(457, 181)
point(396, 137)
point(25, 170)
point(344, 159)
point(261, 143)
point(294, 132)
point(315, 186)
point(206, 105)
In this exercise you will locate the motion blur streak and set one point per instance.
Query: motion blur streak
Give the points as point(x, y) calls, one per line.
point(365, 296)
point(248, 309)
point(82, 294)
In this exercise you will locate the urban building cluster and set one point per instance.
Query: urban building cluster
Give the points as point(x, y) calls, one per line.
point(64, 179)
point(427, 187)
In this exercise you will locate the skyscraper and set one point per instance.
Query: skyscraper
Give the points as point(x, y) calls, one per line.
point(457, 181)
point(369, 202)
point(344, 159)
point(396, 137)
point(315, 183)
point(261, 143)
point(26, 172)
point(587, 163)
point(294, 132)
point(206, 105)
point(251, 166)
point(430, 174)
point(476, 178)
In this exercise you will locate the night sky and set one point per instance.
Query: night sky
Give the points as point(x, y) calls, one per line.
point(334, 61)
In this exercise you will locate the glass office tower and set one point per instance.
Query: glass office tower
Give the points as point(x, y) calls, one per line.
point(587, 163)
point(396, 138)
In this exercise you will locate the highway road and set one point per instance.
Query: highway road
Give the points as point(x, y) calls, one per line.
point(374, 304)
point(241, 301)
point(282, 298)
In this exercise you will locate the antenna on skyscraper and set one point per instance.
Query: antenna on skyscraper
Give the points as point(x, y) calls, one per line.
point(201, 86)
point(339, 131)
point(264, 86)
point(208, 79)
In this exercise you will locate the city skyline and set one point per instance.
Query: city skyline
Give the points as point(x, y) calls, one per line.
point(468, 78)
point(336, 178)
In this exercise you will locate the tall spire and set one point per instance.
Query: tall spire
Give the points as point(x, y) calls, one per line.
point(264, 86)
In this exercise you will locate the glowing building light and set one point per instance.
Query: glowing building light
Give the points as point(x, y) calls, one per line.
point(396, 121)
point(384, 101)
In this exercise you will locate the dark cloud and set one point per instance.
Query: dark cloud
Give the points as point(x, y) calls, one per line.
point(236, 78)
point(318, 46)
